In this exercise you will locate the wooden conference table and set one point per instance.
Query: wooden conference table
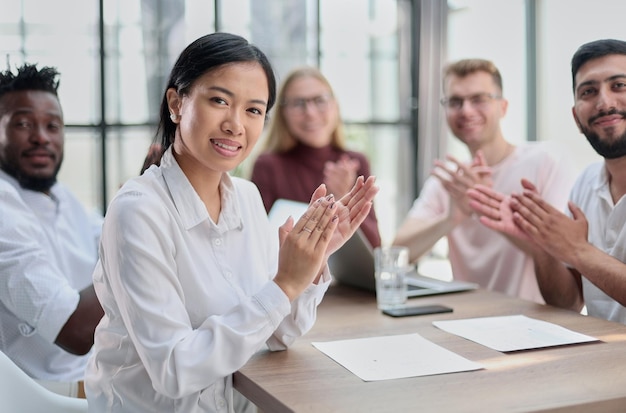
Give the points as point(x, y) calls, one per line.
point(587, 377)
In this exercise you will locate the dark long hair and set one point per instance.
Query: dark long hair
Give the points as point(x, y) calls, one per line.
point(205, 54)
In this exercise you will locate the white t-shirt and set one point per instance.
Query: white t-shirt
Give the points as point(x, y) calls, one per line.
point(48, 250)
point(481, 255)
point(607, 232)
point(187, 302)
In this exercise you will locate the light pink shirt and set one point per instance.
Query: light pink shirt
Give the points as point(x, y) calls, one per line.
point(484, 256)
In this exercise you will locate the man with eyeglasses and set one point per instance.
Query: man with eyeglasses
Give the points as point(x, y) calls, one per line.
point(474, 106)
point(579, 256)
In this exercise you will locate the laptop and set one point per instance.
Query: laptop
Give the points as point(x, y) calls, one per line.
point(353, 263)
point(282, 209)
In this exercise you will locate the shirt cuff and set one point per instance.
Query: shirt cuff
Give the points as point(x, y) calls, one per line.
point(318, 290)
point(274, 301)
point(56, 313)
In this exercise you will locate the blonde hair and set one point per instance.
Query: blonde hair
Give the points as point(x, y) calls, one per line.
point(278, 137)
point(466, 67)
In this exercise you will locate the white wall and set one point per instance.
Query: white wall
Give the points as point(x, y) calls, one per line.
point(495, 30)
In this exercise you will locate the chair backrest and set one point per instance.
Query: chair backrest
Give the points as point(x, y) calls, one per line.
point(21, 394)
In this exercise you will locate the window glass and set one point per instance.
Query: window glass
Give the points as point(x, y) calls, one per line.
point(236, 16)
point(361, 62)
point(81, 169)
point(53, 37)
point(142, 39)
point(199, 19)
point(126, 152)
point(360, 59)
point(11, 13)
point(388, 148)
point(475, 32)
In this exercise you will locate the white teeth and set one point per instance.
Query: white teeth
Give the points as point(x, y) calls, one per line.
point(227, 147)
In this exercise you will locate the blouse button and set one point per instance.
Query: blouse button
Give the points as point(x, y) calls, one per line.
point(26, 330)
point(218, 242)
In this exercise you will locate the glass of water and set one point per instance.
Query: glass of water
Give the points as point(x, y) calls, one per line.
point(391, 266)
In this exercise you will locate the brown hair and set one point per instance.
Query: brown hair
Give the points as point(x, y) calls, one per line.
point(466, 67)
point(278, 137)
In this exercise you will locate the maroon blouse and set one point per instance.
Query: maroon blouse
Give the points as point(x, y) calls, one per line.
point(295, 174)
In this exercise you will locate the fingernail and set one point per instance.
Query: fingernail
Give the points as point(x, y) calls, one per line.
point(335, 218)
point(329, 197)
point(332, 205)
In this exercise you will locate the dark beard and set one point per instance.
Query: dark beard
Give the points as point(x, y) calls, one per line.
point(608, 150)
point(34, 183)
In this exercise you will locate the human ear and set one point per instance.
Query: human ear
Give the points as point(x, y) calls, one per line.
point(580, 129)
point(173, 103)
point(504, 104)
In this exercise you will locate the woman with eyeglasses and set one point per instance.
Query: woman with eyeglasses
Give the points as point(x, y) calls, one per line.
point(305, 147)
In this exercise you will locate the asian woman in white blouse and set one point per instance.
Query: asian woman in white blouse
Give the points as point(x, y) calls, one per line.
point(192, 279)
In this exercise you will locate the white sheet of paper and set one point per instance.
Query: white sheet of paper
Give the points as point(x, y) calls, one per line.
point(394, 357)
point(512, 333)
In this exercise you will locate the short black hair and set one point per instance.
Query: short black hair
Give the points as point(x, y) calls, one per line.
point(594, 50)
point(203, 55)
point(28, 77)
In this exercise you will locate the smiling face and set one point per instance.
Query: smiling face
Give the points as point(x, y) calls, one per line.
point(474, 123)
point(600, 104)
point(31, 138)
point(221, 118)
point(310, 111)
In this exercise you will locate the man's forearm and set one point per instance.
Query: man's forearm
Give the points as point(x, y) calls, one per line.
point(603, 270)
point(76, 336)
point(560, 286)
point(420, 236)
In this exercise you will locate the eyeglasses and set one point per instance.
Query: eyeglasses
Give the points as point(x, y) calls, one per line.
point(477, 101)
point(300, 104)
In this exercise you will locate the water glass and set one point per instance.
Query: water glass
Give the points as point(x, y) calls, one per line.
point(391, 266)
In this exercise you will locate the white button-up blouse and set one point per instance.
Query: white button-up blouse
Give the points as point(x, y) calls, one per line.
point(187, 301)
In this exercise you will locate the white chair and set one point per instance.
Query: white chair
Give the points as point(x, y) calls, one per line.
point(21, 394)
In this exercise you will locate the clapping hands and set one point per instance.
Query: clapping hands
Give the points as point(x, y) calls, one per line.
point(325, 226)
point(458, 178)
point(340, 176)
